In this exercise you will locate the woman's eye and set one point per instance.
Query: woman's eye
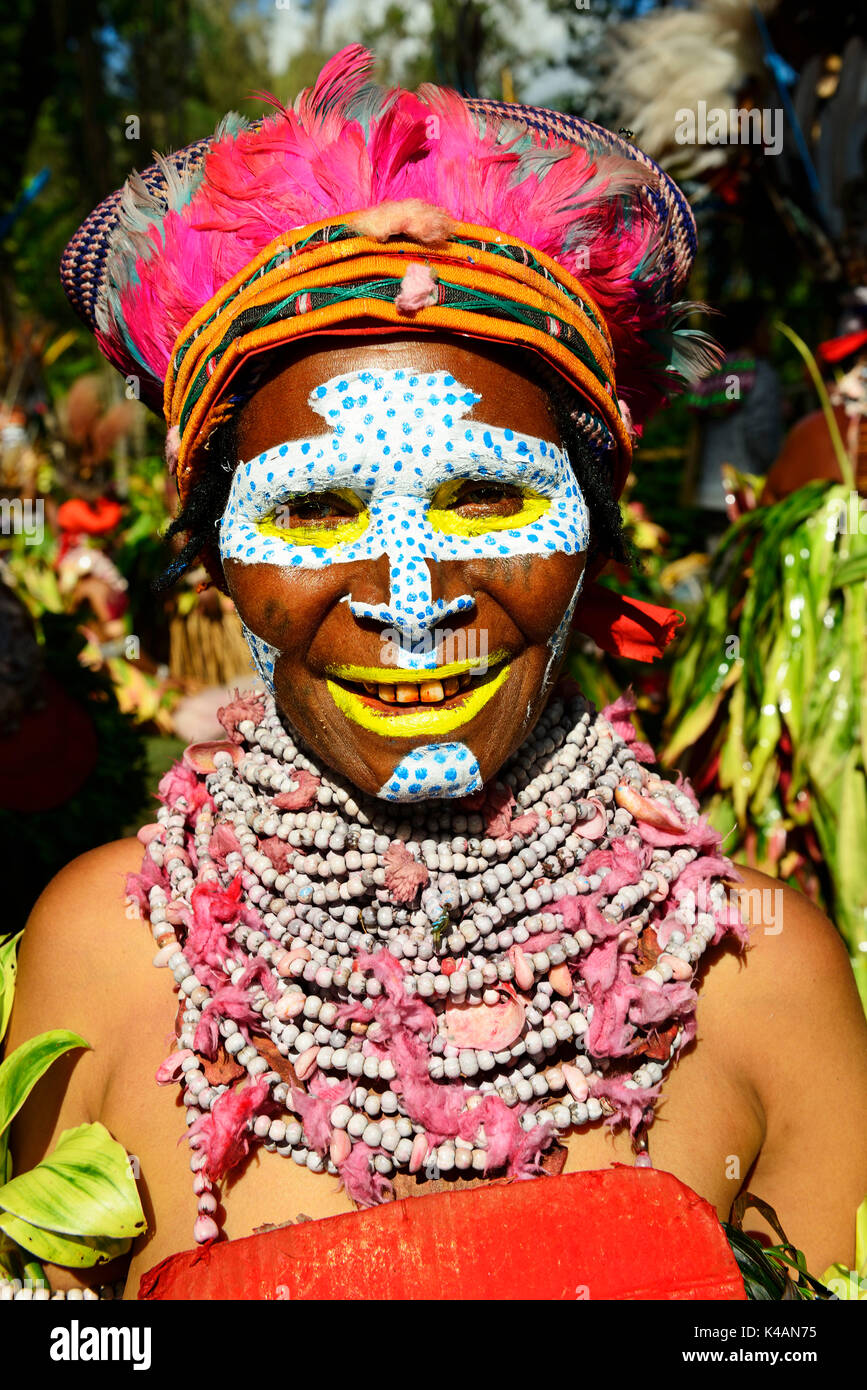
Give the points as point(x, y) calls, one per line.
point(487, 499)
point(314, 508)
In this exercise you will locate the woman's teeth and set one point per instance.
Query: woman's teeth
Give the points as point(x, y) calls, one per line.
point(418, 692)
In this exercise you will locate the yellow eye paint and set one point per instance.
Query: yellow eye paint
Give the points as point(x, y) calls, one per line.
point(340, 532)
point(442, 517)
point(420, 721)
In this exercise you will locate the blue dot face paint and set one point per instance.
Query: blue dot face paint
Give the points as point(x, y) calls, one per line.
point(398, 471)
point(437, 770)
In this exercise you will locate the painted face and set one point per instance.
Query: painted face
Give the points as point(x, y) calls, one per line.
point(371, 559)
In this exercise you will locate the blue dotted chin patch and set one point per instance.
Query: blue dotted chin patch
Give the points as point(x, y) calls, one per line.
point(438, 770)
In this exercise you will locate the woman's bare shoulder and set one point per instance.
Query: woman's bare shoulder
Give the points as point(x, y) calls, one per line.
point(75, 945)
point(97, 876)
point(784, 1019)
point(793, 976)
point(793, 945)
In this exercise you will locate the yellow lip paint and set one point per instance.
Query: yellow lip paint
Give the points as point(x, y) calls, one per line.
point(419, 721)
point(399, 675)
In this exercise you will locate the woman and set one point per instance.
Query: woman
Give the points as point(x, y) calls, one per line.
point(428, 914)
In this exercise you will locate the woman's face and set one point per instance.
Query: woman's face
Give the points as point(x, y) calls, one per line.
point(405, 541)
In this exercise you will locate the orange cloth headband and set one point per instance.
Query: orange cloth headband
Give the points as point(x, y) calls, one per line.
point(325, 276)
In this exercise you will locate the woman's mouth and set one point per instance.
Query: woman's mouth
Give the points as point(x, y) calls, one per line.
point(417, 703)
point(428, 692)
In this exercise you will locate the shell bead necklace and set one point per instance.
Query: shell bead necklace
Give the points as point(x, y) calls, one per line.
point(453, 985)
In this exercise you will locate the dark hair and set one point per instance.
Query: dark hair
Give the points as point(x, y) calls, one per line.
point(206, 504)
point(593, 470)
point(201, 515)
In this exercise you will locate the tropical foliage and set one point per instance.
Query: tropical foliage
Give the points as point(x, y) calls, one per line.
point(79, 1207)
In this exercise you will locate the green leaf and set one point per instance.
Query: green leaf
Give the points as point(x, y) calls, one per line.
point(10, 1258)
point(844, 1283)
point(851, 571)
point(81, 1253)
point(84, 1187)
point(8, 971)
point(806, 1286)
point(843, 459)
point(851, 832)
point(764, 1281)
point(22, 1069)
point(861, 1239)
point(698, 718)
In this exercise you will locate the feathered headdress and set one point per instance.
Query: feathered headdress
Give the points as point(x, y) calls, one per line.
point(384, 209)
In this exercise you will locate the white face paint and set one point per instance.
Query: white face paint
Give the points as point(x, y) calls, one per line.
point(397, 448)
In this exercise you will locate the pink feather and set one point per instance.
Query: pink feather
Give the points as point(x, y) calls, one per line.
point(278, 851)
point(632, 1106)
point(181, 781)
point(365, 1186)
point(527, 1160)
point(229, 1001)
point(242, 707)
point(149, 876)
point(540, 941)
point(302, 795)
point(223, 841)
point(316, 160)
point(418, 288)
point(223, 1134)
point(314, 1112)
point(404, 875)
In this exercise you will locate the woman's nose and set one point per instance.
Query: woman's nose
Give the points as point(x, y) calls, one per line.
point(409, 543)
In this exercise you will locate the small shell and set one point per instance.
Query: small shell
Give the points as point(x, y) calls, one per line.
point(576, 1082)
point(339, 1147)
point(200, 756)
point(290, 1006)
point(596, 827)
point(663, 888)
point(419, 1152)
point(524, 975)
point(656, 813)
point(170, 1069)
point(306, 1063)
point(146, 833)
point(287, 961)
point(484, 1027)
point(205, 1230)
point(561, 979)
point(680, 969)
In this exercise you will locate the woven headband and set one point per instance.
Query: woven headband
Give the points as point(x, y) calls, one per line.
point(328, 275)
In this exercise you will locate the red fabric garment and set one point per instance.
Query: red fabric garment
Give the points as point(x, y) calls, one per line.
point(616, 1233)
point(625, 626)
